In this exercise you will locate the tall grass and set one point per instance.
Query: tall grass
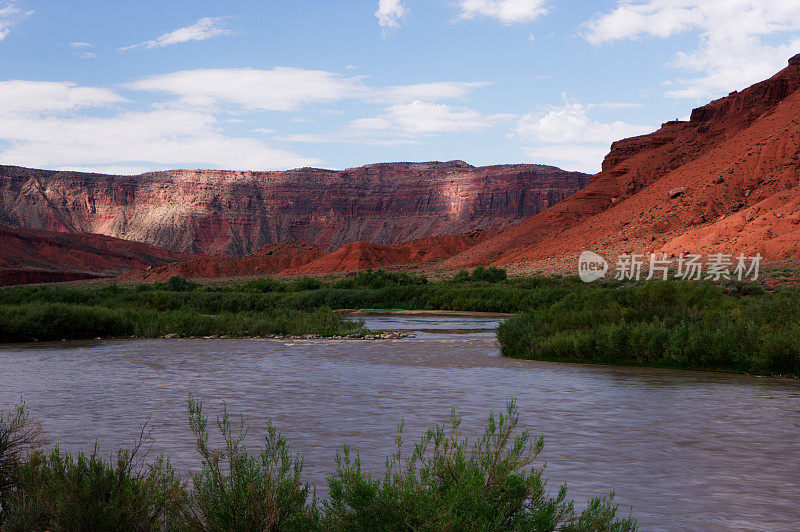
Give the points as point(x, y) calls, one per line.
point(444, 484)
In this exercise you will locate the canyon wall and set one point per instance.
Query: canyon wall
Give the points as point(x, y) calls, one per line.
point(237, 212)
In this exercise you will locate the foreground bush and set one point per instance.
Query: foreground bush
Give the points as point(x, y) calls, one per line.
point(447, 485)
point(444, 484)
point(239, 491)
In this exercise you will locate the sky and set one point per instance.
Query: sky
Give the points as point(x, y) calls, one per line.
point(134, 86)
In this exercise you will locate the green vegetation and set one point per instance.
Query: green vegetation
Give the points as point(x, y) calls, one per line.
point(732, 327)
point(444, 484)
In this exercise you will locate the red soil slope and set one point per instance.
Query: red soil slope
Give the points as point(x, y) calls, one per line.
point(36, 256)
point(424, 252)
point(271, 259)
point(725, 181)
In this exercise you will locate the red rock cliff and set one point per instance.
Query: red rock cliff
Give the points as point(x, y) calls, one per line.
point(237, 212)
point(726, 181)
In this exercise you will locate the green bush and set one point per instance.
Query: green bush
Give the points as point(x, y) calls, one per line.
point(57, 491)
point(236, 490)
point(669, 324)
point(305, 283)
point(447, 485)
point(443, 485)
point(54, 321)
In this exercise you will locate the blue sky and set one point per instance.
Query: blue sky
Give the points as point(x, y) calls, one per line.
point(135, 86)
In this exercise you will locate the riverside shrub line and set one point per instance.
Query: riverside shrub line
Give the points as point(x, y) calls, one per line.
point(444, 483)
point(729, 325)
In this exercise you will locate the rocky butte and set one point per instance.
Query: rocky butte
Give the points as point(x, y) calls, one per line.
point(235, 213)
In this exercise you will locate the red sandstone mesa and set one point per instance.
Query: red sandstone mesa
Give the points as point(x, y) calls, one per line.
point(235, 213)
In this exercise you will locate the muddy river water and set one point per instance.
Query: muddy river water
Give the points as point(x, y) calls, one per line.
point(689, 450)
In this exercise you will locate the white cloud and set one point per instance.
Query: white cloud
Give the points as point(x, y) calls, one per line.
point(390, 13)
point(20, 96)
point(428, 91)
point(152, 139)
point(279, 89)
point(424, 118)
point(39, 127)
point(576, 157)
point(287, 88)
point(406, 123)
point(570, 123)
point(79, 44)
point(10, 15)
point(506, 11)
point(731, 53)
point(205, 28)
point(566, 135)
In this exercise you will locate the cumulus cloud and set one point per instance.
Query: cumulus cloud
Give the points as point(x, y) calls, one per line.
point(10, 15)
point(278, 89)
point(424, 118)
point(506, 11)
point(567, 135)
point(570, 122)
point(428, 91)
point(205, 28)
point(40, 126)
point(731, 53)
point(288, 88)
point(25, 97)
point(390, 14)
point(149, 139)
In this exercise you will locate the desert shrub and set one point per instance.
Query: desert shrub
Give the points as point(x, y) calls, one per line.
point(305, 283)
point(178, 283)
point(492, 274)
point(19, 436)
point(263, 284)
point(671, 324)
point(57, 491)
point(236, 490)
point(444, 484)
point(379, 279)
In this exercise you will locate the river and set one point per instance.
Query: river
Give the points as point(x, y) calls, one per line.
point(689, 450)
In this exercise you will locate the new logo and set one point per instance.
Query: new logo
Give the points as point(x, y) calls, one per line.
point(591, 266)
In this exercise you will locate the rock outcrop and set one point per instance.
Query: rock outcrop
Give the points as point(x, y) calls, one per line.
point(235, 213)
point(38, 256)
point(736, 163)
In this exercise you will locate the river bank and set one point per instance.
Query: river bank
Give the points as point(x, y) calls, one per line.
point(695, 449)
point(720, 326)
